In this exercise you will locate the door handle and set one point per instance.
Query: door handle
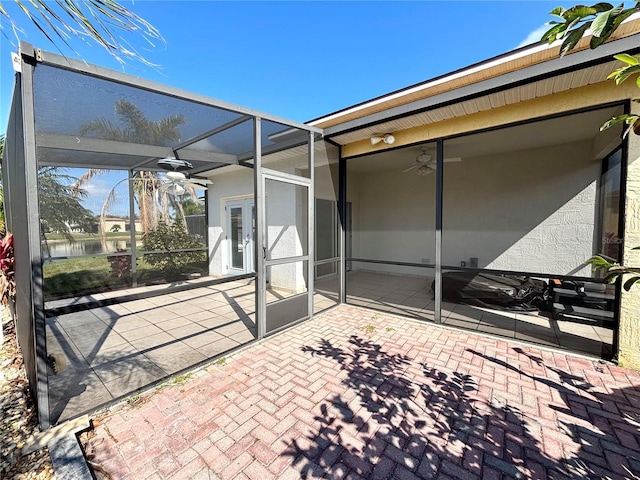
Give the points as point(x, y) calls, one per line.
point(264, 252)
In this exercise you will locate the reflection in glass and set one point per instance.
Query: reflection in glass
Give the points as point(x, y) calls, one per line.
point(285, 149)
point(287, 299)
point(610, 206)
point(237, 250)
point(326, 235)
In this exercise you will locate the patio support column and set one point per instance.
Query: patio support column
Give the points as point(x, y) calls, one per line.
point(439, 189)
point(261, 271)
point(30, 305)
point(132, 232)
point(629, 329)
point(342, 237)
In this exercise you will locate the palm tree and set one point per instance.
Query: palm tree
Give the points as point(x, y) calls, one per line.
point(60, 206)
point(59, 203)
point(154, 201)
point(103, 21)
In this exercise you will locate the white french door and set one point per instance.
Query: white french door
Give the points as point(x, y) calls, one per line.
point(240, 236)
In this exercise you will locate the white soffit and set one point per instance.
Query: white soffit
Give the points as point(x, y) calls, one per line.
point(511, 96)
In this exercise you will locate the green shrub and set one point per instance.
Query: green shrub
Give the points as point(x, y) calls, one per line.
point(164, 240)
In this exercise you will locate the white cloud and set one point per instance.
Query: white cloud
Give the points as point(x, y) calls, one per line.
point(97, 191)
point(534, 36)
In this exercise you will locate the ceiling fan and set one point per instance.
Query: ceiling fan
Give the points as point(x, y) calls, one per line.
point(178, 182)
point(426, 164)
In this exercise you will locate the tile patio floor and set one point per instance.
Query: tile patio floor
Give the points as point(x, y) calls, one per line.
point(114, 350)
point(411, 297)
point(359, 394)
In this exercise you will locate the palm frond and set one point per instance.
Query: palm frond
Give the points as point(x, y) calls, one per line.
point(101, 21)
point(111, 197)
point(78, 186)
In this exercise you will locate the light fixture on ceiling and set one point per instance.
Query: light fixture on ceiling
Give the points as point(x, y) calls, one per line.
point(386, 138)
point(174, 164)
point(177, 182)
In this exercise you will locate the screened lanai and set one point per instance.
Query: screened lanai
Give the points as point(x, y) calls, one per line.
point(113, 189)
point(157, 229)
point(491, 231)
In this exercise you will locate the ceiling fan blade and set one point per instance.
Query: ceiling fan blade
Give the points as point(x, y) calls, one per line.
point(201, 181)
point(452, 159)
point(196, 185)
point(410, 168)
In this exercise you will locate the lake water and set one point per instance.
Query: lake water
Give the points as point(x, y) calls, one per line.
point(84, 247)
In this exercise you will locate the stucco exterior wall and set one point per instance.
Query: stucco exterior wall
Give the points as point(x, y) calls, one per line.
point(286, 211)
point(393, 219)
point(532, 210)
point(629, 333)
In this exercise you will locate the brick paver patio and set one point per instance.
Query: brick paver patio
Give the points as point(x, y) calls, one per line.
point(358, 394)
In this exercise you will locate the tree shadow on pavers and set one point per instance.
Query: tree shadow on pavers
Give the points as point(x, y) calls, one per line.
point(398, 418)
point(600, 424)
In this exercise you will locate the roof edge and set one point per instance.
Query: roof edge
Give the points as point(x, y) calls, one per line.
point(517, 54)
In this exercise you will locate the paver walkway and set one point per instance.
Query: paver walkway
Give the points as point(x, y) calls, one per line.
point(358, 394)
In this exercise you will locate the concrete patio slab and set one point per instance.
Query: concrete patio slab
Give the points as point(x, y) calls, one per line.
point(359, 394)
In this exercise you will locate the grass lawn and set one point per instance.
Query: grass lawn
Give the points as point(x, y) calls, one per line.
point(80, 276)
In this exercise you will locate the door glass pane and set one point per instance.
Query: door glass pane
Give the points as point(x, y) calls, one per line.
point(237, 245)
point(326, 229)
point(610, 207)
point(250, 240)
point(286, 219)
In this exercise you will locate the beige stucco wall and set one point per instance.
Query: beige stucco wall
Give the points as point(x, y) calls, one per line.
point(629, 337)
point(393, 220)
point(511, 213)
point(504, 209)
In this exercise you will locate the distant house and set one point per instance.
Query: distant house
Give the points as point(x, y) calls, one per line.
point(123, 222)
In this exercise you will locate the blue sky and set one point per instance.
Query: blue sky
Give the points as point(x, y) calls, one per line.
point(301, 60)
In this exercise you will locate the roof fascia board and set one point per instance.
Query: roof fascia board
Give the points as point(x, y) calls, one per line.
point(48, 58)
point(529, 74)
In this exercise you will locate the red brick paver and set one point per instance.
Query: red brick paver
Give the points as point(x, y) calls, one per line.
point(358, 394)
